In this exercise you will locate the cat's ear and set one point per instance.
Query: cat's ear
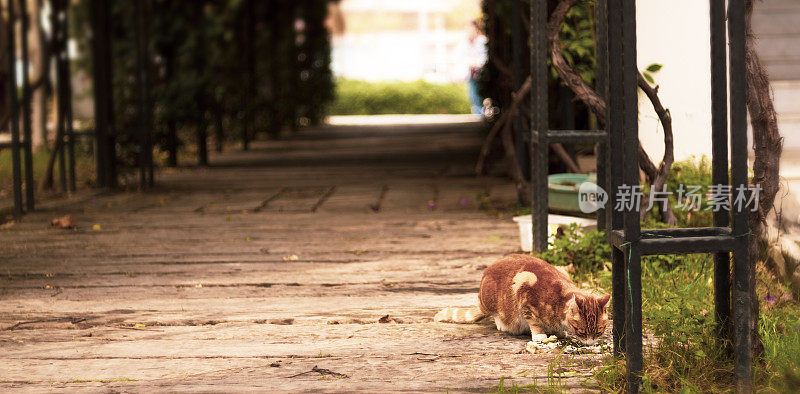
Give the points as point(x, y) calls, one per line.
point(580, 301)
point(603, 301)
point(572, 303)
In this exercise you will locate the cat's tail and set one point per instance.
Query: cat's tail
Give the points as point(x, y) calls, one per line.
point(460, 315)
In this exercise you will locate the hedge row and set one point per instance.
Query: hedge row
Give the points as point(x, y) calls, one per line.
point(353, 97)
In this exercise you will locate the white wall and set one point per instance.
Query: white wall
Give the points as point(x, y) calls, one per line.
point(435, 56)
point(676, 34)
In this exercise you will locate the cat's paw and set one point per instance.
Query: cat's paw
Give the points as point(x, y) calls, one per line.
point(541, 343)
point(538, 337)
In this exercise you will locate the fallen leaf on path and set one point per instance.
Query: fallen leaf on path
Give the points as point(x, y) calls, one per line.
point(387, 283)
point(389, 319)
point(65, 222)
point(323, 372)
point(97, 227)
point(291, 257)
point(7, 225)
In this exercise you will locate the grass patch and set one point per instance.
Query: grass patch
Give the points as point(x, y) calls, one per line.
point(354, 97)
point(84, 167)
point(678, 310)
point(682, 353)
point(558, 370)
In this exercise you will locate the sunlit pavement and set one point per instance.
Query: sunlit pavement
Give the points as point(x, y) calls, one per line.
point(332, 249)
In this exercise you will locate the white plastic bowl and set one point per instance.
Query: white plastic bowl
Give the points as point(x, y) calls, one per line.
point(553, 223)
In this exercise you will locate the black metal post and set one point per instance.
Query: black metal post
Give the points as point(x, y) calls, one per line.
point(62, 159)
point(630, 71)
point(143, 81)
point(249, 72)
point(201, 94)
point(738, 129)
point(518, 72)
point(26, 108)
point(100, 120)
point(614, 127)
point(60, 52)
point(170, 60)
point(13, 109)
point(719, 157)
point(295, 11)
point(626, 235)
point(539, 124)
point(68, 99)
point(602, 159)
point(280, 23)
point(105, 150)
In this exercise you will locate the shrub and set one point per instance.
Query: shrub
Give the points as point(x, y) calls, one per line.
point(355, 97)
point(689, 172)
point(586, 250)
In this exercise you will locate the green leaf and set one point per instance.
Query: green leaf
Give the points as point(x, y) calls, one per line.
point(655, 67)
point(649, 78)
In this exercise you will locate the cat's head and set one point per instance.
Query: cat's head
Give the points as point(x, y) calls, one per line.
point(587, 317)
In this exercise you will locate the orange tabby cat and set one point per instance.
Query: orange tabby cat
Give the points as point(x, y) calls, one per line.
point(526, 294)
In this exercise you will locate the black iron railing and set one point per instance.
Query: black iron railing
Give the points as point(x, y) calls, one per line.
point(617, 82)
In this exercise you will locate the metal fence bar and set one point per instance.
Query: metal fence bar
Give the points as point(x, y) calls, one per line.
point(105, 151)
point(26, 108)
point(578, 137)
point(719, 157)
point(539, 124)
point(13, 112)
point(601, 32)
point(738, 129)
point(248, 75)
point(60, 53)
point(614, 127)
point(70, 133)
point(633, 334)
point(626, 235)
point(518, 73)
point(143, 82)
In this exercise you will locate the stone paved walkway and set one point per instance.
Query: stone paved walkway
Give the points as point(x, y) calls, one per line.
point(247, 275)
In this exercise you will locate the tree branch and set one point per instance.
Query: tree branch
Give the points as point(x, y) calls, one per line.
point(767, 147)
point(657, 181)
point(596, 104)
point(566, 71)
point(506, 117)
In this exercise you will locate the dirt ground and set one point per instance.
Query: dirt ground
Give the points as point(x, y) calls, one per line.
point(333, 249)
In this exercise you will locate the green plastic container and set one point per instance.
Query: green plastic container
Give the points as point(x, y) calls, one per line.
point(563, 191)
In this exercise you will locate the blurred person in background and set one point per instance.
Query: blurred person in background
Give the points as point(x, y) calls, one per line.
point(475, 56)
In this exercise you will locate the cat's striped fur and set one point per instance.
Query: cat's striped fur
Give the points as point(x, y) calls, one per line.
point(526, 294)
